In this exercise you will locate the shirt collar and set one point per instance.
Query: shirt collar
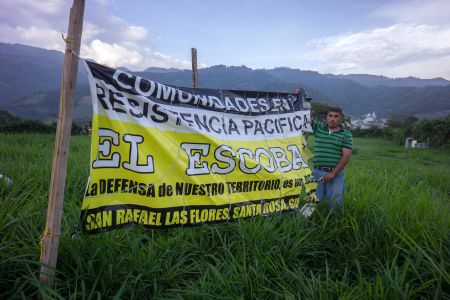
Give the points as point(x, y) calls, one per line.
point(341, 126)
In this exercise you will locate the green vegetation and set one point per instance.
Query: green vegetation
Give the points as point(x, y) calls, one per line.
point(13, 124)
point(391, 242)
point(30, 81)
point(436, 132)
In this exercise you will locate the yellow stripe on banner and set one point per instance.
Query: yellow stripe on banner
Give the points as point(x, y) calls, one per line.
point(144, 166)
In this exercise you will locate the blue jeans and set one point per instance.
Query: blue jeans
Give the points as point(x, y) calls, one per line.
point(331, 191)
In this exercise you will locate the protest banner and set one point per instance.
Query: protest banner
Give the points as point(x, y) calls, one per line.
point(165, 156)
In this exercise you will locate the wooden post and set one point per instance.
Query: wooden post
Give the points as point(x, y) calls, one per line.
point(50, 240)
point(194, 68)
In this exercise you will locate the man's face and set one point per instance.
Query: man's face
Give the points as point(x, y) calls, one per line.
point(333, 119)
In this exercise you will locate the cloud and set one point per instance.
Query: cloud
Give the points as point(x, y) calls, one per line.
point(116, 55)
point(136, 33)
point(90, 31)
point(111, 54)
point(28, 13)
point(120, 30)
point(38, 37)
point(398, 50)
point(417, 11)
point(48, 7)
point(106, 38)
point(165, 61)
point(105, 2)
point(124, 45)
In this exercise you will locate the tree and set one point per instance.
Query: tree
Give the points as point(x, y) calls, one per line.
point(398, 121)
point(6, 118)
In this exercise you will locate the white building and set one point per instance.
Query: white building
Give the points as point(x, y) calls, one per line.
point(368, 120)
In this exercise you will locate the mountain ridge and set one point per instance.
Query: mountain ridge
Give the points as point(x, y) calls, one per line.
point(30, 77)
point(377, 80)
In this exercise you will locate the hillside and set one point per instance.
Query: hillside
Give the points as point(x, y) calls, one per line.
point(374, 80)
point(27, 70)
point(29, 86)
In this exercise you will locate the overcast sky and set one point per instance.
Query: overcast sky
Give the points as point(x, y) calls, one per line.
point(394, 38)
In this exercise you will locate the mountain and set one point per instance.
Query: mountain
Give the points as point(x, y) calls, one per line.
point(29, 86)
point(357, 99)
point(26, 70)
point(161, 70)
point(44, 106)
point(374, 80)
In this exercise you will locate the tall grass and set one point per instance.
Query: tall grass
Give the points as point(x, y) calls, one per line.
point(391, 242)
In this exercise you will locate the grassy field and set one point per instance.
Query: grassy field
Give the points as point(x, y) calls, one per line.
point(391, 242)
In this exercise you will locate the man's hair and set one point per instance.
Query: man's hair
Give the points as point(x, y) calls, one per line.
point(336, 109)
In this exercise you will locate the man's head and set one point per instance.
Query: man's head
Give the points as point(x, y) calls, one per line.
point(334, 117)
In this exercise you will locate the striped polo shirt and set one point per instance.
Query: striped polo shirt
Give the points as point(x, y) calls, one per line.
point(328, 145)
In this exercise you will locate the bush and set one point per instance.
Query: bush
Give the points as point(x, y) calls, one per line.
point(435, 132)
point(13, 124)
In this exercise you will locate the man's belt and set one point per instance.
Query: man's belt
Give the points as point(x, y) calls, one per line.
point(326, 169)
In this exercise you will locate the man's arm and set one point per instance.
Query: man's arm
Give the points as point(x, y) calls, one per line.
point(308, 118)
point(346, 154)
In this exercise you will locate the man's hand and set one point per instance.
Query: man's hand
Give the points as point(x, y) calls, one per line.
point(329, 176)
point(346, 154)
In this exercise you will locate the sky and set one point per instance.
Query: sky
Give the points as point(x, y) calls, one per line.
point(396, 38)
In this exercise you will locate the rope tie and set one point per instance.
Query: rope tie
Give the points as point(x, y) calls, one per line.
point(46, 233)
point(70, 41)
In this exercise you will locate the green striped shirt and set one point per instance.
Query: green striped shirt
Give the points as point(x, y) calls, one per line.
point(328, 145)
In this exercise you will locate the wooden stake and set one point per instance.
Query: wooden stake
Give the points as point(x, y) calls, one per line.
point(194, 68)
point(50, 240)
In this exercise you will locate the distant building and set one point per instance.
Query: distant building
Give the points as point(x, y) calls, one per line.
point(412, 143)
point(368, 120)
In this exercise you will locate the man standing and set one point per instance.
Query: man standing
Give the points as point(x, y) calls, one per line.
point(332, 151)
